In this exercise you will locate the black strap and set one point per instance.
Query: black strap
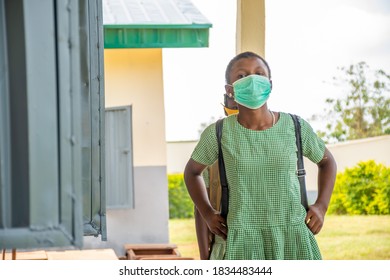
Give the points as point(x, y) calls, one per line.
point(222, 172)
point(300, 168)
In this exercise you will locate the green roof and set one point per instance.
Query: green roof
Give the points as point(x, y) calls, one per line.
point(154, 24)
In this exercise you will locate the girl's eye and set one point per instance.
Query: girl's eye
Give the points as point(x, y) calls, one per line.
point(241, 76)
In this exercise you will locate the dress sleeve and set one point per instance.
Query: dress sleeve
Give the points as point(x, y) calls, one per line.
point(206, 151)
point(313, 147)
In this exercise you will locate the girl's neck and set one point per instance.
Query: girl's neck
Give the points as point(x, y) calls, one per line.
point(259, 119)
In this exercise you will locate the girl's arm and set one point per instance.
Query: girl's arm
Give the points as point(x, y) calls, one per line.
point(202, 234)
point(198, 193)
point(327, 170)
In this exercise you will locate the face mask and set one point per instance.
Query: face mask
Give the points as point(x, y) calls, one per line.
point(252, 91)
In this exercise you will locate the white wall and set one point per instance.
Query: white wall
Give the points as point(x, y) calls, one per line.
point(135, 77)
point(348, 154)
point(178, 153)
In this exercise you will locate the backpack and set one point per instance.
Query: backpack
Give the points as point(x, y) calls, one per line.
point(224, 203)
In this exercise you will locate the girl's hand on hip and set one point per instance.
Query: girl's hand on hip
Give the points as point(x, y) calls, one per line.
point(217, 224)
point(315, 218)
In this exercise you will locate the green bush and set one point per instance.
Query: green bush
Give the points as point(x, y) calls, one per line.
point(180, 203)
point(362, 190)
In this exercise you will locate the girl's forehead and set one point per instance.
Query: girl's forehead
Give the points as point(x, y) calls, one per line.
point(252, 62)
point(250, 65)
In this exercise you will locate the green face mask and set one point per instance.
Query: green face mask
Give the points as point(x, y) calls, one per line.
point(252, 91)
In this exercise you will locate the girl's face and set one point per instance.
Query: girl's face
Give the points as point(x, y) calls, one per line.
point(248, 66)
point(245, 67)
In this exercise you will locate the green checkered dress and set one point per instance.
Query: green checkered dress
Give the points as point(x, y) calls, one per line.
point(266, 218)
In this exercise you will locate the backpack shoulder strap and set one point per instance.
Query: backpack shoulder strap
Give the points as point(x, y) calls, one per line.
point(300, 168)
point(222, 171)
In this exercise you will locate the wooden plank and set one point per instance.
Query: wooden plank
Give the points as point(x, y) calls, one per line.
point(33, 255)
point(150, 246)
point(98, 254)
point(141, 251)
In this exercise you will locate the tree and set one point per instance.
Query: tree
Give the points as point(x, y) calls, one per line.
point(203, 125)
point(363, 189)
point(364, 111)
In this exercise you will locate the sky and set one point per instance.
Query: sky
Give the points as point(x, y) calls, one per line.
point(306, 42)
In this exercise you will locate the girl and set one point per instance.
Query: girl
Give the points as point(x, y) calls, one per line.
point(266, 219)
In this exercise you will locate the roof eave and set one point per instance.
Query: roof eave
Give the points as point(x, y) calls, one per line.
point(156, 35)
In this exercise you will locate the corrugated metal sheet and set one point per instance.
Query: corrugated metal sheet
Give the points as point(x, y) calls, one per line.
point(156, 12)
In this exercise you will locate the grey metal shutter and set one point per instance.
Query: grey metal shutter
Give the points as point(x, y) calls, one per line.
point(44, 73)
point(92, 117)
point(119, 158)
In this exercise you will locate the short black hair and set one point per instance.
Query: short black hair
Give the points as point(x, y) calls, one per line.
point(241, 56)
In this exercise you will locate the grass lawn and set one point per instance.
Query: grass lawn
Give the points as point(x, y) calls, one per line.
point(343, 237)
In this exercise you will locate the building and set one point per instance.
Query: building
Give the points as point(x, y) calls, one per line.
point(135, 32)
point(60, 149)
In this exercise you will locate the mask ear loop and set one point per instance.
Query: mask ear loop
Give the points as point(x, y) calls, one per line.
point(226, 96)
point(229, 94)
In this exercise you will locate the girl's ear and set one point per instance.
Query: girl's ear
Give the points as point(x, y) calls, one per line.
point(228, 88)
point(270, 83)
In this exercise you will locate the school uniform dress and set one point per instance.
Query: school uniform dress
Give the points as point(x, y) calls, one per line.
point(266, 219)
